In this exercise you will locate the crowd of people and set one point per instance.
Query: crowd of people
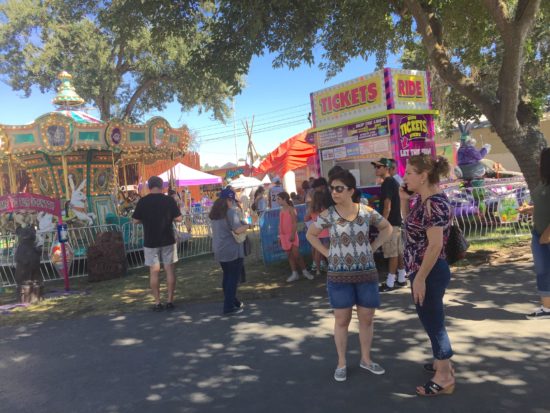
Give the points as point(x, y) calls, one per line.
point(411, 227)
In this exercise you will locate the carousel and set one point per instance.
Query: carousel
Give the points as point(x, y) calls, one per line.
point(72, 156)
point(70, 167)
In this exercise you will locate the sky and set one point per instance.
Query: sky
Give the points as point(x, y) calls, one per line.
point(278, 99)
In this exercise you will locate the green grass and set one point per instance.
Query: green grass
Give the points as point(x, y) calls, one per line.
point(498, 243)
point(198, 279)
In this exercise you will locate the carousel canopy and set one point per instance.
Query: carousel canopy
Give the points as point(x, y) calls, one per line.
point(186, 176)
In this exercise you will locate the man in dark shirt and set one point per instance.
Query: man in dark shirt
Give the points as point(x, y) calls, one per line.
point(391, 210)
point(157, 212)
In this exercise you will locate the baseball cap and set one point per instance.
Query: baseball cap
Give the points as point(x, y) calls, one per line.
point(383, 162)
point(227, 193)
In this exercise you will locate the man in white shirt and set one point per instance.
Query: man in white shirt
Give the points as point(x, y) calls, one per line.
point(276, 189)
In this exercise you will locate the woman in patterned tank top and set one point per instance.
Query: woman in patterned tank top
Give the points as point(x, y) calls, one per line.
point(427, 227)
point(352, 278)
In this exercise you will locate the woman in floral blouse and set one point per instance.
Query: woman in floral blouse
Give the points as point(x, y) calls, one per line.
point(427, 227)
point(352, 278)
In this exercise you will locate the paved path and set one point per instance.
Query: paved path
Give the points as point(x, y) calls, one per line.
point(278, 356)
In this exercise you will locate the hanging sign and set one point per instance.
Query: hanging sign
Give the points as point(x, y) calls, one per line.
point(350, 100)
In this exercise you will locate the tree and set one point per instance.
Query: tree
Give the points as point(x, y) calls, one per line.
point(115, 59)
point(459, 38)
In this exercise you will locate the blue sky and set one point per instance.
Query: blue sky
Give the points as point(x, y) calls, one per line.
point(278, 98)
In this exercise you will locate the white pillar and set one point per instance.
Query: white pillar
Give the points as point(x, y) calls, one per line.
point(289, 182)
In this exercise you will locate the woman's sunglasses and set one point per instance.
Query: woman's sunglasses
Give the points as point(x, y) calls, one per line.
point(339, 189)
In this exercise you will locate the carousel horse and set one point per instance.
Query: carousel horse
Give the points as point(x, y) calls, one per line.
point(78, 204)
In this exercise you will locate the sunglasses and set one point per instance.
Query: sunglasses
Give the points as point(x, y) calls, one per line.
point(339, 189)
point(378, 166)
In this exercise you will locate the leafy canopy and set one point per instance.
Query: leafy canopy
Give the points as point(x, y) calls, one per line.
point(116, 61)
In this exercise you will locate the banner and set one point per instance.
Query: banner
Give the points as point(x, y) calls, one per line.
point(354, 99)
point(29, 202)
point(355, 132)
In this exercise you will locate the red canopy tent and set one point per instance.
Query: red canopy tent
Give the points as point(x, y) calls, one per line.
point(290, 155)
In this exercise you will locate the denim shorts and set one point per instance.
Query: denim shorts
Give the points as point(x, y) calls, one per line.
point(541, 258)
point(346, 295)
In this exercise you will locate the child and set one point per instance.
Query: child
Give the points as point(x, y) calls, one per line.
point(317, 206)
point(288, 237)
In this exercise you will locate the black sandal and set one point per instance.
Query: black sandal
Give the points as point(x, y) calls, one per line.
point(158, 307)
point(432, 389)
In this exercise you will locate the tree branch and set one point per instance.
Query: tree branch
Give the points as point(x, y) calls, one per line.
point(430, 29)
point(138, 93)
point(499, 12)
point(526, 11)
point(513, 40)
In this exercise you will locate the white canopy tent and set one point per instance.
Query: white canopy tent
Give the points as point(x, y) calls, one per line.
point(186, 176)
point(245, 182)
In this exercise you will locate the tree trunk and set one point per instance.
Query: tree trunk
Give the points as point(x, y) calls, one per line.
point(525, 143)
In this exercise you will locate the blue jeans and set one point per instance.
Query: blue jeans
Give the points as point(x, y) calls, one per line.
point(232, 271)
point(431, 313)
point(541, 258)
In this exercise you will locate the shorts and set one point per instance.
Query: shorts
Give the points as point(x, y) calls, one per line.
point(166, 255)
point(394, 246)
point(346, 295)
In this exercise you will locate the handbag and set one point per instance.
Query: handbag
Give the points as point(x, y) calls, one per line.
point(239, 238)
point(456, 246)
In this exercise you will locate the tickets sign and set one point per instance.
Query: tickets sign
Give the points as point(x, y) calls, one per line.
point(350, 100)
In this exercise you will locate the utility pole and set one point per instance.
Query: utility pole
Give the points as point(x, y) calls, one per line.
point(251, 152)
point(235, 132)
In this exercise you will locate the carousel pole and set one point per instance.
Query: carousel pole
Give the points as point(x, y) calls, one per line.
point(124, 177)
point(1, 178)
point(172, 179)
point(142, 174)
point(65, 177)
point(11, 174)
point(63, 248)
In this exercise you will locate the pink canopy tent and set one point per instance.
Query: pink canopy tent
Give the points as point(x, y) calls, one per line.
point(186, 176)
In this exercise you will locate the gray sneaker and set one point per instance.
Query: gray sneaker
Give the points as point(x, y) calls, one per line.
point(340, 374)
point(374, 368)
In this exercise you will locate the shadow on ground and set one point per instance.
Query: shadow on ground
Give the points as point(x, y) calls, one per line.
point(279, 355)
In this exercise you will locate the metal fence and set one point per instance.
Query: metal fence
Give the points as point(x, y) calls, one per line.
point(486, 211)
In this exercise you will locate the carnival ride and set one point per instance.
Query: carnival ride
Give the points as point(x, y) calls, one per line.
point(72, 156)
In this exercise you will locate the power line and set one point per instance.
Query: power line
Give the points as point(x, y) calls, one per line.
point(222, 126)
point(258, 131)
point(291, 118)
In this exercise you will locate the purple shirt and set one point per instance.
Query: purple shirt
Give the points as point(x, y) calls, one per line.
point(417, 223)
